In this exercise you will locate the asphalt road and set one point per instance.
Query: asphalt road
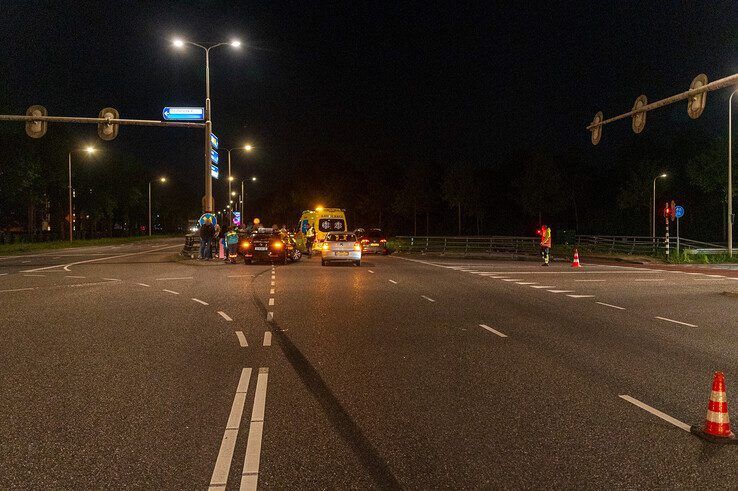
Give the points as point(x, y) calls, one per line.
point(129, 367)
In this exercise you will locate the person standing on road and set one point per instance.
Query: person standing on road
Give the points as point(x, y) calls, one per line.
point(309, 239)
point(545, 244)
point(232, 242)
point(206, 235)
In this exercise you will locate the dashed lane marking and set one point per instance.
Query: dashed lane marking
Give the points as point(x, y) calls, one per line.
point(16, 290)
point(224, 315)
point(511, 279)
point(538, 287)
point(649, 279)
point(267, 338)
point(271, 292)
point(593, 281)
point(143, 284)
point(610, 305)
point(111, 279)
point(199, 301)
point(271, 302)
point(427, 298)
point(675, 322)
point(493, 331)
point(25, 262)
point(656, 412)
point(240, 276)
point(172, 292)
point(219, 478)
point(526, 283)
point(372, 272)
point(272, 283)
point(270, 316)
point(581, 296)
point(393, 281)
point(250, 475)
point(180, 278)
point(70, 276)
point(560, 291)
point(242, 339)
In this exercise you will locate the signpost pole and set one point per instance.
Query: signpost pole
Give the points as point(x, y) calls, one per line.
point(149, 208)
point(667, 237)
point(71, 216)
point(677, 220)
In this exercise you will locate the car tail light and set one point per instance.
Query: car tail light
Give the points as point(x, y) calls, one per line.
point(357, 246)
point(326, 247)
point(382, 240)
point(245, 245)
point(278, 244)
point(364, 241)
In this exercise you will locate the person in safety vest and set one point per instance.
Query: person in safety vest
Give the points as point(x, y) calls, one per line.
point(545, 244)
point(232, 243)
point(309, 239)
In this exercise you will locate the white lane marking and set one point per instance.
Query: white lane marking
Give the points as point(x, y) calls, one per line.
point(181, 278)
point(695, 273)
point(511, 279)
point(270, 316)
point(675, 322)
point(66, 266)
point(224, 315)
point(610, 305)
point(526, 283)
point(267, 338)
point(242, 339)
point(372, 272)
point(581, 296)
point(70, 276)
point(3, 274)
point(393, 281)
point(199, 301)
point(715, 276)
point(228, 444)
point(250, 475)
point(542, 286)
point(560, 291)
point(709, 279)
point(271, 292)
point(427, 298)
point(143, 284)
point(170, 291)
point(494, 331)
point(656, 412)
point(272, 283)
point(649, 279)
point(32, 275)
point(271, 302)
point(25, 262)
point(240, 275)
point(111, 279)
point(590, 280)
point(16, 290)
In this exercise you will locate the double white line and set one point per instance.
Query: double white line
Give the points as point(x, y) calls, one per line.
point(250, 474)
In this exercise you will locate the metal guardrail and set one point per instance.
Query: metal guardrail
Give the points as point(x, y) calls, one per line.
point(516, 246)
point(638, 245)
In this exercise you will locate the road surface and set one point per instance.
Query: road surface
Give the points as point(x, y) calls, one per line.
point(128, 366)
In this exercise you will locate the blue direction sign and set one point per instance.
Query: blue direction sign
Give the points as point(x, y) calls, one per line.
point(679, 211)
point(209, 217)
point(213, 156)
point(183, 113)
point(214, 141)
point(214, 171)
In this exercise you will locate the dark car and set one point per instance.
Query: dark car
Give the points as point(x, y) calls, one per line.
point(373, 241)
point(268, 245)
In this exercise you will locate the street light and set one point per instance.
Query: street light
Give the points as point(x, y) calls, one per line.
point(161, 180)
point(247, 148)
point(653, 221)
point(180, 43)
point(89, 150)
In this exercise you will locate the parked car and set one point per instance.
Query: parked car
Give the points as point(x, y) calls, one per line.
point(340, 247)
point(373, 241)
point(267, 245)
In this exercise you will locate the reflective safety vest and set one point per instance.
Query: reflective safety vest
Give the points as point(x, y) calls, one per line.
point(546, 238)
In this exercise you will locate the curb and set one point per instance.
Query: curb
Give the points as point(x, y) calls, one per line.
point(730, 294)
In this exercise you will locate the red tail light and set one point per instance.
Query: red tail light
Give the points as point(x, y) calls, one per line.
point(383, 240)
point(364, 241)
point(357, 246)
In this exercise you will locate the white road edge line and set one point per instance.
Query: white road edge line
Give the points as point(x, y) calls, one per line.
point(200, 301)
point(219, 478)
point(267, 338)
point(427, 298)
point(66, 266)
point(250, 475)
point(538, 287)
point(494, 331)
point(560, 291)
point(581, 296)
point(143, 284)
point(17, 290)
point(170, 291)
point(675, 322)
point(372, 272)
point(610, 305)
point(242, 339)
point(393, 281)
point(224, 315)
point(656, 412)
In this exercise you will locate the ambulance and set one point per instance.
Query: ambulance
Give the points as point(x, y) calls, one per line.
point(323, 220)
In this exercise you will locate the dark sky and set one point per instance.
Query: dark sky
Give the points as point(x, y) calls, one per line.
point(424, 81)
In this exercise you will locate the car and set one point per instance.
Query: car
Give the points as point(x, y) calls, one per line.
point(340, 247)
point(267, 245)
point(373, 241)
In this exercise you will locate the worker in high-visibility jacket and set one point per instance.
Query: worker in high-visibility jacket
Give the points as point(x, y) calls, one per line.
point(545, 244)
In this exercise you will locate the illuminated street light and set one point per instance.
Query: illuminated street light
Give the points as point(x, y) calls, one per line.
point(653, 221)
point(248, 147)
point(178, 43)
point(253, 179)
point(233, 193)
point(161, 180)
point(236, 43)
point(89, 149)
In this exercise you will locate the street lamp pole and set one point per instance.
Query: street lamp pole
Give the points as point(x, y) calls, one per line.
point(207, 202)
point(89, 150)
point(162, 180)
point(653, 209)
point(246, 148)
point(730, 174)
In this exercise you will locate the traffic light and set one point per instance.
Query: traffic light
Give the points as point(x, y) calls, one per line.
point(36, 129)
point(696, 103)
point(108, 131)
point(667, 210)
point(597, 130)
point(639, 119)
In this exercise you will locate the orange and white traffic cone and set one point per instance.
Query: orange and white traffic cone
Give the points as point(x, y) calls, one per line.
point(717, 421)
point(575, 263)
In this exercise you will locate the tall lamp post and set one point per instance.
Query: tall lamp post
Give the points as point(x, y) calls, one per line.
point(653, 209)
point(89, 150)
point(161, 180)
point(207, 203)
point(730, 174)
point(245, 148)
point(242, 198)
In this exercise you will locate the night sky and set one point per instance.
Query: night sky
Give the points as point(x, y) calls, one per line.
point(428, 82)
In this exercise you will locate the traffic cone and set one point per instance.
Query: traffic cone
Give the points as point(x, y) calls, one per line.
point(575, 263)
point(717, 420)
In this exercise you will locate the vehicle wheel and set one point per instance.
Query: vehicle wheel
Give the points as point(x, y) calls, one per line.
point(358, 263)
point(322, 262)
point(284, 258)
point(297, 255)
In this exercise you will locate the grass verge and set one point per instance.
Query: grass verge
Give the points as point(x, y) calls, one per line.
point(6, 249)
